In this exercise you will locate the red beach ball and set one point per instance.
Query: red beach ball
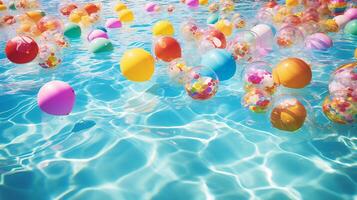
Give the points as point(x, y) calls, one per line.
point(21, 49)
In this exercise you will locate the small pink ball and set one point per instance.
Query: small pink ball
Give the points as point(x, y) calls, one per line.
point(319, 41)
point(192, 3)
point(150, 7)
point(351, 13)
point(113, 23)
point(56, 98)
point(97, 34)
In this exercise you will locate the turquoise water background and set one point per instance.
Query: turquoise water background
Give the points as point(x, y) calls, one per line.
point(128, 140)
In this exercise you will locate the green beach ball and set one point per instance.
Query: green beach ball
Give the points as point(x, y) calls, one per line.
point(213, 18)
point(100, 45)
point(72, 30)
point(351, 27)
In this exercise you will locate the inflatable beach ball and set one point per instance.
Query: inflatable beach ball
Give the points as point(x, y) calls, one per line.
point(126, 15)
point(351, 27)
point(192, 3)
point(318, 41)
point(203, 2)
point(56, 98)
point(72, 30)
point(113, 23)
point(21, 49)
point(163, 28)
point(292, 73)
point(167, 49)
point(225, 26)
point(137, 65)
point(221, 62)
point(119, 7)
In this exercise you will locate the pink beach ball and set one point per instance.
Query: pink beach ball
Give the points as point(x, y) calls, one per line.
point(318, 41)
point(56, 98)
point(150, 7)
point(351, 13)
point(97, 34)
point(113, 23)
point(192, 3)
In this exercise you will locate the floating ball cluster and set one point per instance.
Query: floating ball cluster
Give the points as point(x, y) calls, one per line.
point(341, 104)
point(227, 43)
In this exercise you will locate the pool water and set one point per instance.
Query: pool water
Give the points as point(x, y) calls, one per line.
point(149, 140)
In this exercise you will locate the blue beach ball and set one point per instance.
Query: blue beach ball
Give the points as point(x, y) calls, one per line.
point(213, 18)
point(221, 61)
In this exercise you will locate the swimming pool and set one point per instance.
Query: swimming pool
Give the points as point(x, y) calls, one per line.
point(149, 140)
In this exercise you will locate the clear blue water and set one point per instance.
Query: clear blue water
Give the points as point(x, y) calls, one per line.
point(149, 140)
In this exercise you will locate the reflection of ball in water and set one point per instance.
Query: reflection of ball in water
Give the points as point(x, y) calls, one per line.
point(202, 84)
point(256, 100)
point(288, 115)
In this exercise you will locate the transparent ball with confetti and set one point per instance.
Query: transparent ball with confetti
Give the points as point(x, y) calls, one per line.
point(258, 75)
point(289, 39)
point(238, 21)
point(55, 38)
point(202, 83)
point(257, 100)
point(49, 56)
point(178, 70)
point(343, 82)
point(244, 46)
point(290, 113)
point(191, 31)
point(340, 110)
point(50, 24)
point(265, 15)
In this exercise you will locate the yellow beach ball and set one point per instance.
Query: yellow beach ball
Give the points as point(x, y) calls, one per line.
point(76, 15)
point(119, 7)
point(292, 73)
point(137, 65)
point(126, 15)
point(35, 15)
point(163, 28)
point(203, 2)
point(225, 26)
point(2, 7)
point(291, 3)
